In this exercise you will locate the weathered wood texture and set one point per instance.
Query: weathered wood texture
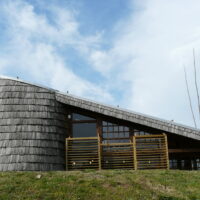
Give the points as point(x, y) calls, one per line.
point(32, 128)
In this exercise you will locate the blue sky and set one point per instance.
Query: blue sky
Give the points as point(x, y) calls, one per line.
point(128, 53)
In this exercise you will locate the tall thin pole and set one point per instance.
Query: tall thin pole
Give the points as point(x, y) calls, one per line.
point(188, 92)
point(196, 85)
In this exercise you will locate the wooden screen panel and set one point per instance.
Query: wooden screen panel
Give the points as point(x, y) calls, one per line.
point(117, 156)
point(144, 152)
point(151, 152)
point(82, 153)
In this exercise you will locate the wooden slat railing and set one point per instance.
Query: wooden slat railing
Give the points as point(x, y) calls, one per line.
point(117, 156)
point(151, 152)
point(143, 152)
point(82, 153)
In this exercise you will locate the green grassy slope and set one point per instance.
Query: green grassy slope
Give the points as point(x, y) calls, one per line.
point(101, 185)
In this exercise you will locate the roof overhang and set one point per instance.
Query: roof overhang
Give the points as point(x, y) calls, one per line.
point(122, 114)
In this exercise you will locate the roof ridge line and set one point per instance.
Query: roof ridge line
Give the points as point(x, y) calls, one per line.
point(27, 82)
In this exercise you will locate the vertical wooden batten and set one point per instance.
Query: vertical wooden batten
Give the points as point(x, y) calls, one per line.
point(166, 147)
point(66, 143)
point(134, 154)
point(99, 134)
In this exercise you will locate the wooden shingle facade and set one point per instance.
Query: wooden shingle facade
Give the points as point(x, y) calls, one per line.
point(42, 129)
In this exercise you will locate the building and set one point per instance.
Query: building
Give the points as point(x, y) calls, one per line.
point(43, 129)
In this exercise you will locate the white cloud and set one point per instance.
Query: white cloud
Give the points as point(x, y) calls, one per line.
point(33, 43)
point(144, 63)
point(149, 50)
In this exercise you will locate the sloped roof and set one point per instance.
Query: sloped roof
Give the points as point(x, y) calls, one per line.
point(123, 114)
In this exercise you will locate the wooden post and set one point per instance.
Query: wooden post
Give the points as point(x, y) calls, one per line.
point(99, 134)
point(134, 154)
point(66, 153)
point(167, 153)
point(99, 152)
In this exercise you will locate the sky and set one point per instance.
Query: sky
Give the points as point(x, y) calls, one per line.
point(129, 53)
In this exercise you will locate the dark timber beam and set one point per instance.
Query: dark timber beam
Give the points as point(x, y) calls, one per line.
point(183, 150)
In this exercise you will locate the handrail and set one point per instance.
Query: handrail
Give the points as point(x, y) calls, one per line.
point(83, 138)
point(116, 144)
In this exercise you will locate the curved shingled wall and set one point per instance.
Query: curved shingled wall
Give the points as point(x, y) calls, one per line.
point(32, 128)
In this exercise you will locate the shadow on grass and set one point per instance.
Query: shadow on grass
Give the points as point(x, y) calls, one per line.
point(169, 198)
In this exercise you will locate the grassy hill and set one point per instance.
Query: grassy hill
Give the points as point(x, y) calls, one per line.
point(101, 185)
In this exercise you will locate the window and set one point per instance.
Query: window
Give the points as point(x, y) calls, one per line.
point(84, 130)
point(137, 132)
point(198, 164)
point(83, 126)
point(78, 117)
point(173, 164)
point(113, 133)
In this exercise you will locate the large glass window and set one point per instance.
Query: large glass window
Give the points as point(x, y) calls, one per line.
point(84, 130)
point(113, 133)
point(83, 126)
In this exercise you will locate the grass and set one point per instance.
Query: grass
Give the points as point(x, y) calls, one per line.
point(101, 185)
